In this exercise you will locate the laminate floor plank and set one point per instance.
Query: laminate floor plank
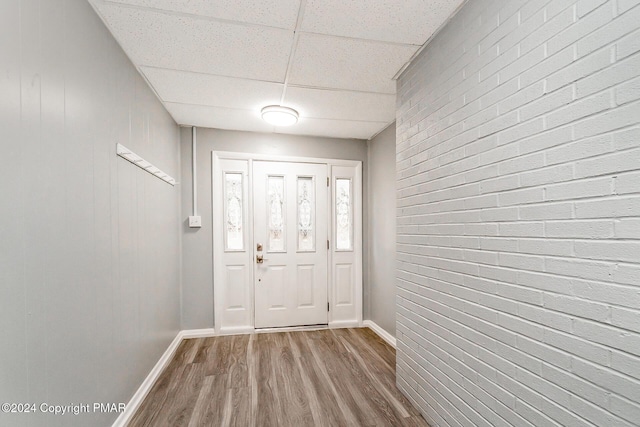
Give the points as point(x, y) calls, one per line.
point(154, 404)
point(376, 344)
point(268, 406)
point(206, 351)
point(347, 391)
point(217, 364)
point(239, 405)
point(338, 377)
point(298, 344)
point(300, 350)
point(182, 402)
point(376, 381)
point(330, 410)
point(211, 402)
point(294, 403)
point(238, 369)
point(379, 405)
point(384, 374)
point(252, 368)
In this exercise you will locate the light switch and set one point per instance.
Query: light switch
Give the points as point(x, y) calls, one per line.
point(195, 221)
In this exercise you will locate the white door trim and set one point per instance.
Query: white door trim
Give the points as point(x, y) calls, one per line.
point(280, 158)
point(218, 244)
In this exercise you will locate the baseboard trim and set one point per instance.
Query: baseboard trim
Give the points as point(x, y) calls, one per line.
point(137, 398)
point(198, 333)
point(390, 339)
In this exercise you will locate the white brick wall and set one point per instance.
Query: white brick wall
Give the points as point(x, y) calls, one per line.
point(518, 216)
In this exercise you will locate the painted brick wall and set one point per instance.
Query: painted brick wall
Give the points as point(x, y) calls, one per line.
point(518, 218)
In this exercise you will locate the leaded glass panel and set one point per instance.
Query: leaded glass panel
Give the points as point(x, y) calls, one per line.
point(276, 213)
point(234, 220)
point(306, 214)
point(344, 217)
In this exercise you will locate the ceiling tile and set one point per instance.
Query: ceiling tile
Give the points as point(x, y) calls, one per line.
point(273, 13)
point(408, 21)
point(215, 63)
point(204, 89)
point(334, 62)
point(334, 128)
point(340, 104)
point(164, 40)
point(217, 117)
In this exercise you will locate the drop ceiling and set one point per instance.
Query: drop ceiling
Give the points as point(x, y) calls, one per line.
point(216, 63)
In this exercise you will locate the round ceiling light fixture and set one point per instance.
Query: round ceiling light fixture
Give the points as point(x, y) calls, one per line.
point(278, 115)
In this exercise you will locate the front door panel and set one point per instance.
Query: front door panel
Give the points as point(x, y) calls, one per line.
point(290, 235)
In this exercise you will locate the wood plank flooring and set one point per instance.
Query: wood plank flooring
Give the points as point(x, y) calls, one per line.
point(331, 377)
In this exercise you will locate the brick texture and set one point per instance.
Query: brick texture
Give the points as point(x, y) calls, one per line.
point(518, 216)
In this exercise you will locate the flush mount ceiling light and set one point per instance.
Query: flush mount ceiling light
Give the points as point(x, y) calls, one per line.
point(279, 116)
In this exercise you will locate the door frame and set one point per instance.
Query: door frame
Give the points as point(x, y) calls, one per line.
point(218, 241)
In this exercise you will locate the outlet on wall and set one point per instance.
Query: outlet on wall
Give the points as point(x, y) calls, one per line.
point(195, 221)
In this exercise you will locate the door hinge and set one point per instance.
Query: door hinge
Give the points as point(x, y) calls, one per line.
point(327, 181)
point(327, 306)
point(327, 244)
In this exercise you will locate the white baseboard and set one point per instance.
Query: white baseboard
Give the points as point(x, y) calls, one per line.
point(390, 339)
point(198, 333)
point(135, 402)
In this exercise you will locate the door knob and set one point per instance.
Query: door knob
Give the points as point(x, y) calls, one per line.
point(260, 259)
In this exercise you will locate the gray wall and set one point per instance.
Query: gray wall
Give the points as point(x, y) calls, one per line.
point(89, 244)
point(382, 230)
point(197, 244)
point(518, 162)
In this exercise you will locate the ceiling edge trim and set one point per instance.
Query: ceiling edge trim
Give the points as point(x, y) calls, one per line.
point(429, 40)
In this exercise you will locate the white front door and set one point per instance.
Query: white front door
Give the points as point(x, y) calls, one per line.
point(290, 243)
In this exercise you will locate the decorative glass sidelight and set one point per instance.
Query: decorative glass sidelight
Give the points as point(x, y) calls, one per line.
point(233, 211)
point(276, 213)
point(306, 214)
point(344, 216)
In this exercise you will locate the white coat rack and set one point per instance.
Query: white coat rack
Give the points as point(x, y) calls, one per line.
point(129, 155)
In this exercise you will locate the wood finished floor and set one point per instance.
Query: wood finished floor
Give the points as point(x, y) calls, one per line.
point(332, 377)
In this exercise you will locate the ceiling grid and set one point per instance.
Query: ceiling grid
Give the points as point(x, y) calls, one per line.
point(216, 63)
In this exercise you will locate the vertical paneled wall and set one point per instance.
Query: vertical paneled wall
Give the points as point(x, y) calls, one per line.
point(518, 175)
point(89, 244)
point(381, 285)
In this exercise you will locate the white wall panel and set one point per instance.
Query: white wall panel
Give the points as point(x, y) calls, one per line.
point(380, 293)
point(89, 246)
